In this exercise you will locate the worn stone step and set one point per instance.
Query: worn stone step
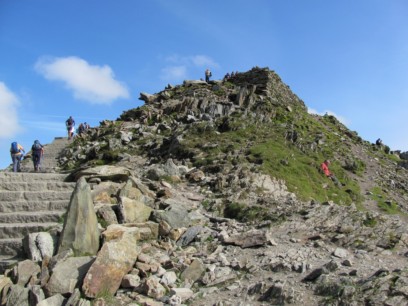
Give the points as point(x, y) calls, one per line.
point(30, 177)
point(31, 217)
point(20, 230)
point(8, 207)
point(12, 247)
point(38, 185)
point(34, 195)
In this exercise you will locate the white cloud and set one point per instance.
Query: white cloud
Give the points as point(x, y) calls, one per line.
point(9, 125)
point(181, 66)
point(174, 73)
point(203, 61)
point(328, 112)
point(192, 61)
point(92, 83)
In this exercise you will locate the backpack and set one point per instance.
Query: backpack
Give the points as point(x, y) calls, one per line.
point(36, 146)
point(14, 148)
point(69, 121)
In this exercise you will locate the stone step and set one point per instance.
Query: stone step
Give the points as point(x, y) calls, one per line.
point(30, 177)
point(31, 217)
point(19, 230)
point(19, 196)
point(9, 207)
point(38, 185)
point(12, 247)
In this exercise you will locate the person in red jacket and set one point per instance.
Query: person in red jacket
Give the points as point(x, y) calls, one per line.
point(325, 167)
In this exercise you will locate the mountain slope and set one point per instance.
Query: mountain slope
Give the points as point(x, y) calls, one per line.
point(251, 123)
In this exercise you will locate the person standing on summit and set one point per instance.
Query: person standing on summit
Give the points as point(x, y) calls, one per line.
point(70, 124)
point(208, 74)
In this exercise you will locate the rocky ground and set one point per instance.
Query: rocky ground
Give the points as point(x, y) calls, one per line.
point(165, 237)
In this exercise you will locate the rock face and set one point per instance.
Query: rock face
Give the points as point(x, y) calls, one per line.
point(80, 232)
point(194, 208)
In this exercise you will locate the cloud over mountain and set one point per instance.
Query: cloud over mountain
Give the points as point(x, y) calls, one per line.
point(92, 83)
point(8, 112)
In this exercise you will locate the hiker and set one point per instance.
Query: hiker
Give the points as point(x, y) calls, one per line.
point(325, 167)
point(37, 151)
point(208, 74)
point(81, 128)
point(70, 123)
point(16, 152)
point(379, 142)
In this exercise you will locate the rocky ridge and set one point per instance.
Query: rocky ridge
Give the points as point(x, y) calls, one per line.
point(175, 224)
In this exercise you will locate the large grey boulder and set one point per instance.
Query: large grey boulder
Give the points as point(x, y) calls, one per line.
point(26, 271)
point(148, 98)
point(68, 274)
point(80, 232)
point(132, 211)
point(175, 215)
point(18, 295)
point(39, 245)
point(105, 173)
point(114, 261)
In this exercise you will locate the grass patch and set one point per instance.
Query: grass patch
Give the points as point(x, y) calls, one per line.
point(387, 206)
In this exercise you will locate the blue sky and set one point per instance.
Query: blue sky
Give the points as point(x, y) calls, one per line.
point(91, 58)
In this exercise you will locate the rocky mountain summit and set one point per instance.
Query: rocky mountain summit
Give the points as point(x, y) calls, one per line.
point(211, 194)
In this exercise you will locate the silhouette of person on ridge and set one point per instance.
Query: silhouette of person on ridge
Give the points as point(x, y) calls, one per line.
point(208, 74)
point(70, 124)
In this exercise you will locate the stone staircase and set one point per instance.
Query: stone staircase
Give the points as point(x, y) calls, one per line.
point(31, 202)
point(49, 162)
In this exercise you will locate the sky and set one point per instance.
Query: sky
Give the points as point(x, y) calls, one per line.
point(90, 59)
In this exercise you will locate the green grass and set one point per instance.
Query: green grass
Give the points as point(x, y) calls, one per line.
point(387, 206)
point(301, 173)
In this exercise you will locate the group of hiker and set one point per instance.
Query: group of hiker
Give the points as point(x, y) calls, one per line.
point(227, 76)
point(17, 154)
point(70, 124)
point(17, 151)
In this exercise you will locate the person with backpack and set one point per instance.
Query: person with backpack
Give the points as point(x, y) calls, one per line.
point(208, 74)
point(37, 151)
point(16, 152)
point(70, 124)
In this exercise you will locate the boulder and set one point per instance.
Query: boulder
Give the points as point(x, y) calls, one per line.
point(193, 272)
point(133, 210)
point(39, 245)
point(26, 271)
point(105, 173)
point(148, 98)
point(113, 262)
point(80, 232)
point(68, 274)
point(18, 295)
point(252, 238)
